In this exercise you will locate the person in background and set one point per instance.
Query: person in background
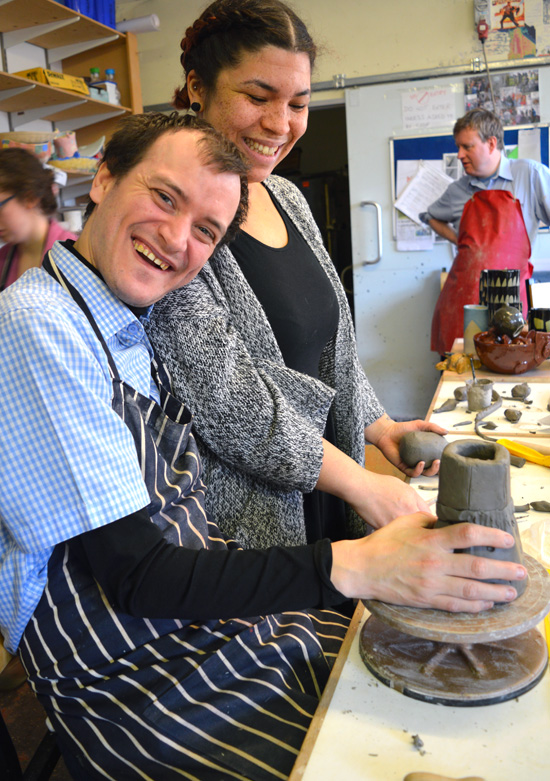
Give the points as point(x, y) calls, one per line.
point(261, 344)
point(492, 214)
point(157, 646)
point(27, 231)
point(27, 205)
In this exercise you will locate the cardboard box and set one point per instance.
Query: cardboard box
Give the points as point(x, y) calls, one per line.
point(55, 79)
point(108, 91)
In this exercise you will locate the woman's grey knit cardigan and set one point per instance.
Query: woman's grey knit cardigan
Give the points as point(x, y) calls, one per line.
point(259, 424)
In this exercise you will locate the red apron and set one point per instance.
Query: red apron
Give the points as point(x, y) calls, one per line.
point(492, 234)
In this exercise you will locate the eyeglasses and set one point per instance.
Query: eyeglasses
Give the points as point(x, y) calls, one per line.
point(4, 202)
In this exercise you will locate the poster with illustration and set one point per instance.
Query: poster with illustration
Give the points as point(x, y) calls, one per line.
point(517, 28)
point(507, 15)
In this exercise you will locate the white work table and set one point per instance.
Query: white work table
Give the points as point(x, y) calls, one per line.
point(363, 730)
point(367, 733)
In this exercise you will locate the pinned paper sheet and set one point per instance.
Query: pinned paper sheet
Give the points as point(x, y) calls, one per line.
point(425, 108)
point(529, 143)
point(426, 187)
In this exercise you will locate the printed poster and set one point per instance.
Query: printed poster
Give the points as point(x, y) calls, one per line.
point(517, 28)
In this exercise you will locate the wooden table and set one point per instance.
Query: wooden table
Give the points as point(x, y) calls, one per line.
point(364, 730)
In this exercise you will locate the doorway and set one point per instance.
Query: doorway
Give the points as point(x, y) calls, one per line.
point(318, 166)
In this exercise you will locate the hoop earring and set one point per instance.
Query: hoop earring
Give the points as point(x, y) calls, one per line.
point(196, 107)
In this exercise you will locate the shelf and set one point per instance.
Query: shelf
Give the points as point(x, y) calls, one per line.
point(52, 26)
point(27, 100)
point(68, 37)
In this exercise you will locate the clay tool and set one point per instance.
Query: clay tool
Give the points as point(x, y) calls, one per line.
point(473, 370)
point(525, 452)
point(534, 444)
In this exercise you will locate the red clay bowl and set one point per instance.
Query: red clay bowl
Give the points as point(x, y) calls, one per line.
point(512, 356)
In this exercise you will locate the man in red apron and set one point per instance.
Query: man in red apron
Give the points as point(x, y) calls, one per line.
point(492, 214)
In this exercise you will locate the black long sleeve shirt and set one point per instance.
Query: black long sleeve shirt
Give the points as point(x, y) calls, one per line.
point(144, 575)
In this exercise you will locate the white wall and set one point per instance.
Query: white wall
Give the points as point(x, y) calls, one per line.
point(357, 38)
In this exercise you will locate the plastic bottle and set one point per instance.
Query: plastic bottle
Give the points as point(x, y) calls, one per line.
point(94, 74)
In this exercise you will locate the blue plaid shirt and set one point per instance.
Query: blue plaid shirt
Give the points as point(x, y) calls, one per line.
point(68, 463)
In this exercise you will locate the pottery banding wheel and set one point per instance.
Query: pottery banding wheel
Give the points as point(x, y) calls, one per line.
point(460, 659)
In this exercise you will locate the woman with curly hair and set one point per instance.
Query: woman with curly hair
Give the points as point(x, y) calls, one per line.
point(261, 344)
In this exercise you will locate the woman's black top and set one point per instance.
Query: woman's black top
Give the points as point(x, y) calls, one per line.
point(302, 309)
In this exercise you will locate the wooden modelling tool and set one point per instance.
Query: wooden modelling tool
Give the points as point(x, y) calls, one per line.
point(528, 453)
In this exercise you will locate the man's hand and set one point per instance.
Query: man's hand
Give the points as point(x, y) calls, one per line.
point(409, 563)
point(386, 434)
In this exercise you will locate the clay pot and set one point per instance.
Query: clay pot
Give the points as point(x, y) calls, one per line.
point(479, 394)
point(474, 486)
point(508, 320)
point(515, 357)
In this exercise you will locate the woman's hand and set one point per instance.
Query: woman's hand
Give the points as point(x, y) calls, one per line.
point(378, 499)
point(386, 434)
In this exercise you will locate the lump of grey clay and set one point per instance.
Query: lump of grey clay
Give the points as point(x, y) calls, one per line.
point(521, 391)
point(448, 406)
point(521, 508)
point(421, 446)
point(540, 507)
point(461, 394)
point(513, 415)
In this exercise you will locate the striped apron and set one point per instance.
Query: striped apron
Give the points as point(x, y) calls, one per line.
point(167, 699)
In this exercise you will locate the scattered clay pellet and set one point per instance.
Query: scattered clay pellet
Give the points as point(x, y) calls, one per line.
point(418, 743)
point(447, 406)
point(513, 415)
point(521, 391)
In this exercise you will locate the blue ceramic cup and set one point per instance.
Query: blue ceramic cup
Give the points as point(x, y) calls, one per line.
point(476, 319)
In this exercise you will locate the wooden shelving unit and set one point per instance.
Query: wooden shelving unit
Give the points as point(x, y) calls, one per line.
point(78, 43)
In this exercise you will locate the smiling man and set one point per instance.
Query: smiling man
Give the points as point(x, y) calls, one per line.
point(161, 214)
point(492, 213)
